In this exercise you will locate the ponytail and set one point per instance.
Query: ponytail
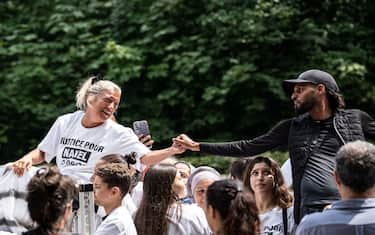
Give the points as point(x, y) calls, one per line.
point(242, 215)
point(81, 96)
point(49, 192)
point(237, 208)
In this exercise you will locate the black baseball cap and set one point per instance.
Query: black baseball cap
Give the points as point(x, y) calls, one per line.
point(313, 76)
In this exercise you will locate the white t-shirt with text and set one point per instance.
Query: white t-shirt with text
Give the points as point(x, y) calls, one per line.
point(272, 222)
point(77, 149)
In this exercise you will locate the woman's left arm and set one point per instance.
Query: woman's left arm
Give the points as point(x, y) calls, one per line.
point(159, 155)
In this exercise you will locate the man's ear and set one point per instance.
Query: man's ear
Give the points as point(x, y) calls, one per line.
point(322, 88)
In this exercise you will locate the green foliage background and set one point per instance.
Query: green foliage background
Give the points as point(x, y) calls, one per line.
point(212, 69)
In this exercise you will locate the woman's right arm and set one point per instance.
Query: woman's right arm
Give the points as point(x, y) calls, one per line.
point(34, 157)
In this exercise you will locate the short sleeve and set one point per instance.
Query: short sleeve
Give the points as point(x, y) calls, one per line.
point(50, 142)
point(130, 143)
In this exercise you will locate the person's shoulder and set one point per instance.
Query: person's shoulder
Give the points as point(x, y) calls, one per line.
point(300, 118)
point(191, 211)
point(285, 122)
point(191, 207)
point(120, 212)
point(119, 219)
point(71, 116)
point(191, 216)
point(191, 219)
point(315, 219)
point(119, 127)
point(119, 131)
point(353, 114)
point(351, 111)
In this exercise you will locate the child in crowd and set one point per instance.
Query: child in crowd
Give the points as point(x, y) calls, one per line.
point(111, 184)
point(230, 210)
point(128, 160)
point(264, 179)
point(160, 212)
point(50, 197)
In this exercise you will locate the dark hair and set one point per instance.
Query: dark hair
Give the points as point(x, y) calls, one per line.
point(282, 197)
point(49, 192)
point(355, 165)
point(129, 159)
point(238, 168)
point(184, 163)
point(335, 100)
point(115, 175)
point(158, 196)
point(236, 207)
point(113, 158)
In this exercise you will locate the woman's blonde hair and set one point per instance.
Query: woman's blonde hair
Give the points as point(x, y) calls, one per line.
point(95, 86)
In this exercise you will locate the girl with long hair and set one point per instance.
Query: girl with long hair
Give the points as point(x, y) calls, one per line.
point(160, 212)
point(264, 179)
point(231, 210)
point(50, 197)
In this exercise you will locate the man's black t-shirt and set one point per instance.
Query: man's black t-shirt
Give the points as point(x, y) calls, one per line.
point(318, 186)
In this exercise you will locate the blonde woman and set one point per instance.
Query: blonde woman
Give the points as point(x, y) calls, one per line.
point(78, 140)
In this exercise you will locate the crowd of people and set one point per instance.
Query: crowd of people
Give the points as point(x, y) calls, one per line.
point(143, 191)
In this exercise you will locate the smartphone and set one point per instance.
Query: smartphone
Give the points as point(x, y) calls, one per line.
point(141, 127)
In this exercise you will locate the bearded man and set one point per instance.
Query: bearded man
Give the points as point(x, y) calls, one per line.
point(313, 137)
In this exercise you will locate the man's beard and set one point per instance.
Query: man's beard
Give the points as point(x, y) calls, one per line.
point(306, 106)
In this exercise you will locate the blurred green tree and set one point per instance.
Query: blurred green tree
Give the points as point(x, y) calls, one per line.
point(212, 69)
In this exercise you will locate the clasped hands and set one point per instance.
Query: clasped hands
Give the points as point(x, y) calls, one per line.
point(185, 142)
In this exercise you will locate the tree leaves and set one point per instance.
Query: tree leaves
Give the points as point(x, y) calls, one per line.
point(210, 68)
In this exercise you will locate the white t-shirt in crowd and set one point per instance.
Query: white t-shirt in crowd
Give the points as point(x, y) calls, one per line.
point(118, 222)
point(137, 193)
point(127, 202)
point(77, 149)
point(272, 222)
point(286, 171)
point(192, 221)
